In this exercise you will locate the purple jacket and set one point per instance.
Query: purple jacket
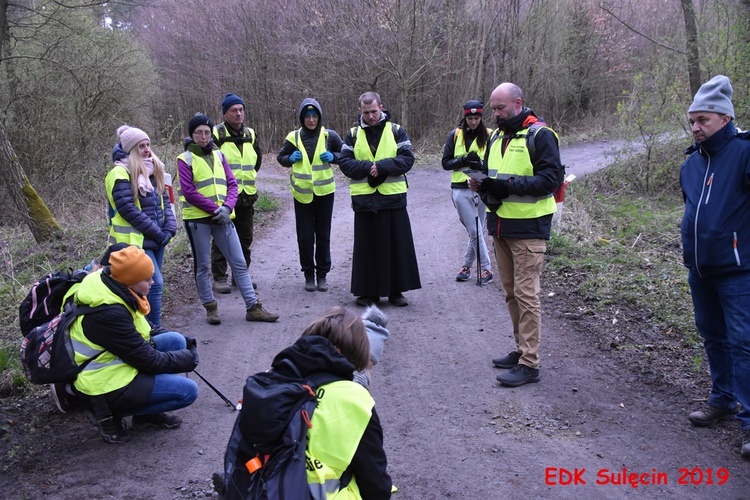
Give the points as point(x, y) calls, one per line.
point(187, 185)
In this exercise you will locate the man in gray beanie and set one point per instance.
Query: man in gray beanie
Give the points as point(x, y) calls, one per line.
point(239, 143)
point(715, 181)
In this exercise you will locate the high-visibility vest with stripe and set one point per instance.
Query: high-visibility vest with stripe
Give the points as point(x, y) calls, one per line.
point(331, 445)
point(308, 178)
point(459, 149)
point(241, 156)
point(516, 161)
point(120, 230)
point(209, 180)
point(107, 372)
point(387, 148)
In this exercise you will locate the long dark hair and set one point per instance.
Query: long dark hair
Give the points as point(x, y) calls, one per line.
point(480, 133)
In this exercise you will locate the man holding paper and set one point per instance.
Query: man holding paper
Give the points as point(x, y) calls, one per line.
point(519, 191)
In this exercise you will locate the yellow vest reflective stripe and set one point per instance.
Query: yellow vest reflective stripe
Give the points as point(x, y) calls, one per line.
point(241, 162)
point(308, 178)
point(120, 230)
point(459, 149)
point(331, 445)
point(514, 163)
point(209, 180)
point(387, 148)
point(107, 372)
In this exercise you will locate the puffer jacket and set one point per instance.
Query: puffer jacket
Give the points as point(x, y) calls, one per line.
point(715, 181)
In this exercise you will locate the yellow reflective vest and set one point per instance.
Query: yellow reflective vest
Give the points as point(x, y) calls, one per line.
point(387, 148)
point(308, 179)
point(459, 149)
point(338, 424)
point(120, 230)
point(107, 372)
point(241, 156)
point(516, 162)
point(210, 181)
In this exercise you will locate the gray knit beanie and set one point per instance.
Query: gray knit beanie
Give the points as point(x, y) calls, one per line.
point(130, 137)
point(715, 96)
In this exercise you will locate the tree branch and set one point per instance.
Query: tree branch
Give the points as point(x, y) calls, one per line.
point(606, 9)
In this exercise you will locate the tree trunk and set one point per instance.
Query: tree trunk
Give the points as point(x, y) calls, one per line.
point(693, 59)
point(33, 210)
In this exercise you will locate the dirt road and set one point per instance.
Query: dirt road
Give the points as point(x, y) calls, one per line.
point(451, 431)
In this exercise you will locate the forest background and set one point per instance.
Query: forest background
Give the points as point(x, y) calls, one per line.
point(72, 71)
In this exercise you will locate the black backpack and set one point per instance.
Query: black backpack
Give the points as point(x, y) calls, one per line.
point(265, 457)
point(45, 299)
point(47, 354)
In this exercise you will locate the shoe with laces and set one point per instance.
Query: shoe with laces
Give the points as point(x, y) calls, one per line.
point(156, 420)
point(63, 399)
point(508, 361)
point(257, 313)
point(486, 277)
point(112, 429)
point(463, 274)
point(711, 414)
point(222, 287)
point(519, 375)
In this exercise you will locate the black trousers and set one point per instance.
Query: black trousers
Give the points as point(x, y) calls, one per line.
point(313, 222)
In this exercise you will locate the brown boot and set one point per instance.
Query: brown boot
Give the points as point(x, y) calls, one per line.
point(212, 313)
point(257, 313)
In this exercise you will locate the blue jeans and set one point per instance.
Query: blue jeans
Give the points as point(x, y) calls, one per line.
point(170, 391)
point(722, 316)
point(157, 289)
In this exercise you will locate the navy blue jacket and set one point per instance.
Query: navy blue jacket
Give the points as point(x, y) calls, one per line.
point(715, 181)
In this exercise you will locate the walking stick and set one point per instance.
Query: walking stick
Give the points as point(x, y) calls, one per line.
point(226, 399)
point(476, 223)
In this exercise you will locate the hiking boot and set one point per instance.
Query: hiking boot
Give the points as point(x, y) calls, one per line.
point(322, 284)
point(398, 299)
point(310, 283)
point(711, 415)
point(221, 286)
point(157, 421)
point(463, 274)
point(519, 375)
point(212, 313)
point(745, 451)
point(112, 429)
point(64, 400)
point(486, 277)
point(508, 361)
point(257, 313)
point(367, 300)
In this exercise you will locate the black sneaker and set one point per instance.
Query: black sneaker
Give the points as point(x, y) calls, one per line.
point(398, 300)
point(508, 361)
point(745, 451)
point(63, 399)
point(367, 300)
point(519, 375)
point(112, 429)
point(711, 415)
point(157, 420)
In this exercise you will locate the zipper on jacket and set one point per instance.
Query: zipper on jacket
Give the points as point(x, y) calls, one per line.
point(706, 182)
point(708, 185)
point(734, 248)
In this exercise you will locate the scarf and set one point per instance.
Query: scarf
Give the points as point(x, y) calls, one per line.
point(143, 306)
point(144, 184)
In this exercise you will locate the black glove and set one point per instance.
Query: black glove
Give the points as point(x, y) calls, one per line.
point(473, 161)
point(192, 346)
point(497, 188)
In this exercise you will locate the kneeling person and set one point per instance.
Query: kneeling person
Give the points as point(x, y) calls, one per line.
point(132, 373)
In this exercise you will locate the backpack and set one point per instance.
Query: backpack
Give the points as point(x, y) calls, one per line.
point(45, 299)
point(47, 354)
point(265, 456)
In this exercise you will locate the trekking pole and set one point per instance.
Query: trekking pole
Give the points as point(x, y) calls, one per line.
point(476, 223)
point(226, 399)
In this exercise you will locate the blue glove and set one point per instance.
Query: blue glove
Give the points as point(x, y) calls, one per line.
point(295, 157)
point(326, 157)
point(221, 215)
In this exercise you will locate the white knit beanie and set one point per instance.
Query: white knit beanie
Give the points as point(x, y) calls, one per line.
point(130, 137)
point(715, 96)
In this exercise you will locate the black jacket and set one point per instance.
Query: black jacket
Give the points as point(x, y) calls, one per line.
point(315, 354)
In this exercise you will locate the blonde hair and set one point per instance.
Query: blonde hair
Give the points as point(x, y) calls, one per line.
point(346, 331)
point(136, 167)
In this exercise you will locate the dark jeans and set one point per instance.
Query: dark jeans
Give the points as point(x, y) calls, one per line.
point(314, 234)
point(722, 315)
point(243, 223)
